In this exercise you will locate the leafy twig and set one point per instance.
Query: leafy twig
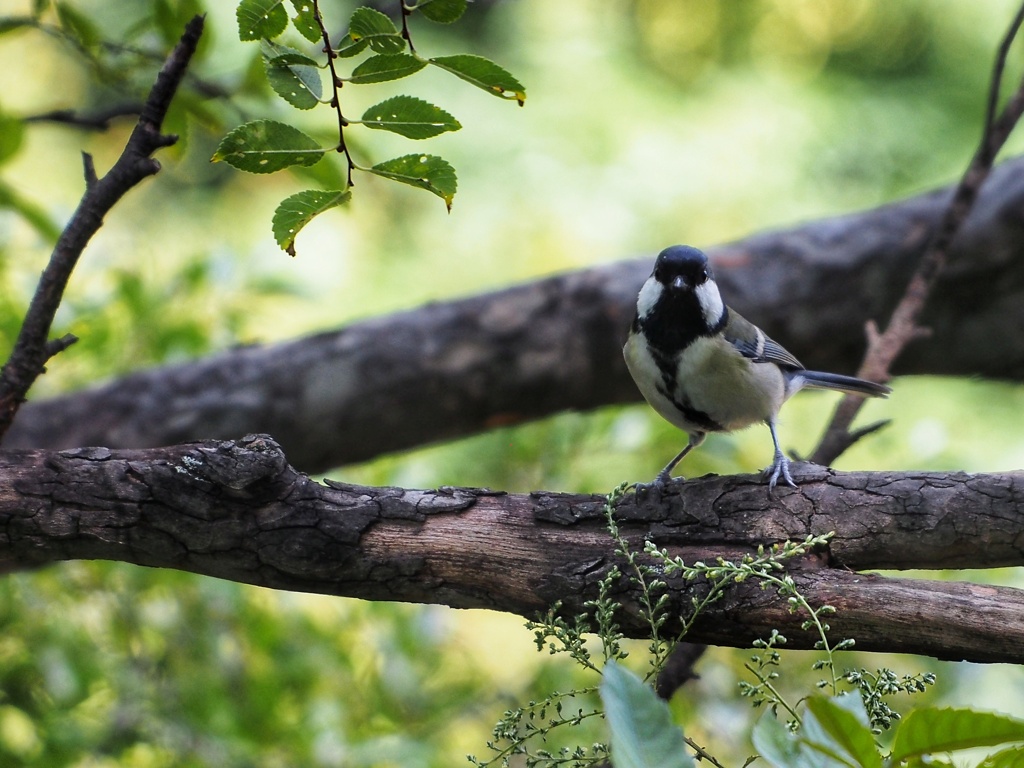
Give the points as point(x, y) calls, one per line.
point(903, 328)
point(336, 83)
point(406, 34)
point(32, 349)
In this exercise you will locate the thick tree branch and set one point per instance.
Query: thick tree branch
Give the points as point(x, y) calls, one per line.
point(456, 368)
point(32, 348)
point(238, 511)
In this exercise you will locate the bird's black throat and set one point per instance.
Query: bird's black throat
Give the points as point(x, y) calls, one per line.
point(675, 322)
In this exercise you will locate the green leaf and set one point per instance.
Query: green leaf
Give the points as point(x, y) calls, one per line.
point(483, 73)
point(34, 214)
point(442, 11)
point(928, 730)
point(265, 146)
point(348, 47)
point(1007, 758)
point(643, 734)
point(293, 76)
point(12, 23)
point(386, 66)
point(78, 25)
point(305, 20)
point(170, 18)
point(297, 211)
point(840, 727)
point(12, 131)
point(777, 745)
point(409, 117)
point(428, 172)
point(376, 29)
point(261, 18)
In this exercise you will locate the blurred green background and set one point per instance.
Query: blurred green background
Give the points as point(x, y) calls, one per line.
point(648, 122)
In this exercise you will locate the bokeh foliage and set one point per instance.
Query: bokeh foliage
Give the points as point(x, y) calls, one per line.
point(649, 122)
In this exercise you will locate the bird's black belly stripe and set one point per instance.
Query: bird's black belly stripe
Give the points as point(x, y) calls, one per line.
point(670, 385)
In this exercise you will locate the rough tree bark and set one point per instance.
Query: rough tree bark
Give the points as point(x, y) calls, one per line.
point(239, 511)
point(451, 369)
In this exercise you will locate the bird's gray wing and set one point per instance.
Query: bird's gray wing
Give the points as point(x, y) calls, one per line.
point(751, 342)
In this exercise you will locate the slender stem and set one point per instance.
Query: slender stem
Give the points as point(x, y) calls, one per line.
point(779, 698)
point(336, 84)
point(406, 13)
point(702, 754)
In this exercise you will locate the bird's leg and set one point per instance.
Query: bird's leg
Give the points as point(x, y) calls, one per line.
point(659, 482)
point(780, 464)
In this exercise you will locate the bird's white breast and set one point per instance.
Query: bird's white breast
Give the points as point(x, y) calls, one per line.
point(648, 376)
point(731, 389)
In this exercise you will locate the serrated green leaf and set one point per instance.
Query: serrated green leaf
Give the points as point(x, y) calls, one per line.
point(304, 20)
point(386, 66)
point(347, 47)
point(442, 11)
point(261, 18)
point(265, 146)
point(840, 727)
point(428, 172)
point(642, 731)
point(483, 73)
point(376, 29)
point(293, 76)
point(297, 211)
point(928, 730)
point(1006, 758)
point(409, 117)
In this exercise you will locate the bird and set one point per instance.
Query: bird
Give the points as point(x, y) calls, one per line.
point(704, 368)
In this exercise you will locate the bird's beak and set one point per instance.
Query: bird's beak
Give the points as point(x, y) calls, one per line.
point(679, 283)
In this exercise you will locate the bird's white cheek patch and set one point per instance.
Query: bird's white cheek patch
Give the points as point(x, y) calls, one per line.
point(710, 302)
point(649, 295)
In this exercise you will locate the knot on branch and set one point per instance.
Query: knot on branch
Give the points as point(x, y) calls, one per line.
point(237, 465)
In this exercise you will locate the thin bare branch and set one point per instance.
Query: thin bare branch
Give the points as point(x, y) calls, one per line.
point(96, 120)
point(32, 348)
point(903, 326)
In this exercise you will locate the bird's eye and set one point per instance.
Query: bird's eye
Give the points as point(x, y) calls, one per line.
point(703, 276)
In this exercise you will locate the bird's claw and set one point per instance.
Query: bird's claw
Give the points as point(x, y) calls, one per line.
point(779, 470)
point(654, 489)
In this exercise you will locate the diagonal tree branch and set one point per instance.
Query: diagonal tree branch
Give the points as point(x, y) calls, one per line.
point(32, 348)
point(904, 325)
point(239, 511)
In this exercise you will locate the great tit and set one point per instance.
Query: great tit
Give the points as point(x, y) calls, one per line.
point(706, 369)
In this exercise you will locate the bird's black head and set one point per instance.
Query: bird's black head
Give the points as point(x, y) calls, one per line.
point(681, 267)
point(680, 301)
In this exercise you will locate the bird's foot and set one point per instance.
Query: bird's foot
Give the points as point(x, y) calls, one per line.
point(654, 489)
point(779, 470)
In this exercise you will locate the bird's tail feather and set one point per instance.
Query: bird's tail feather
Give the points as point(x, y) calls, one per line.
point(849, 384)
